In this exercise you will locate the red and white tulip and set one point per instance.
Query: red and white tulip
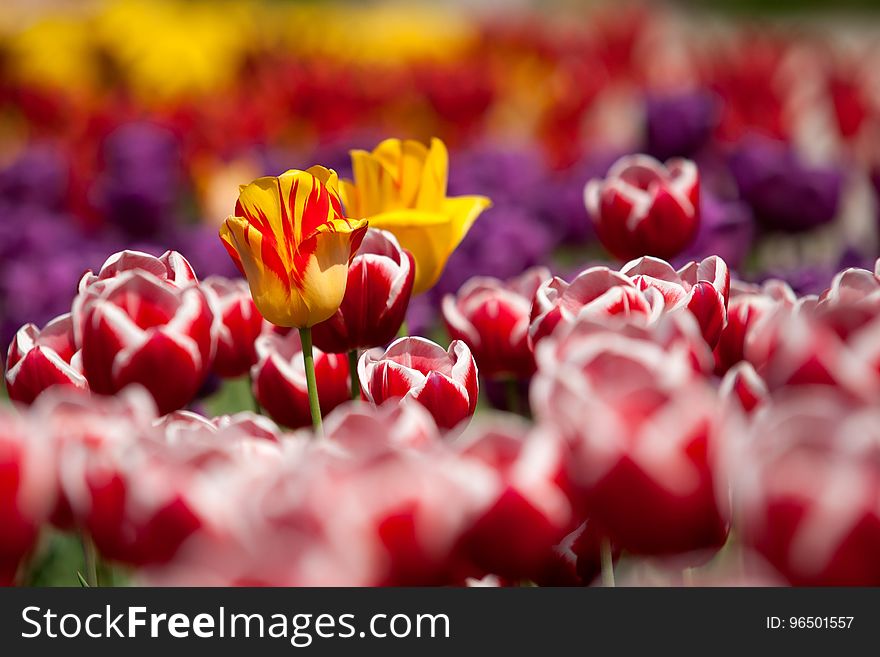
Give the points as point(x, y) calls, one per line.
point(596, 293)
point(279, 379)
point(645, 207)
point(639, 419)
point(417, 370)
point(703, 288)
point(239, 325)
point(137, 328)
point(42, 359)
point(492, 318)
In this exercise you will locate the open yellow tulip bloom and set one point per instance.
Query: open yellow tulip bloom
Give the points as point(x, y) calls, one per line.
point(291, 240)
point(401, 187)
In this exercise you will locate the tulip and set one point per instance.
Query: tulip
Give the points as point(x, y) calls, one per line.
point(240, 323)
point(785, 192)
point(41, 359)
point(178, 426)
point(643, 207)
point(401, 187)
point(402, 511)
point(702, 288)
point(418, 370)
point(135, 328)
point(171, 267)
point(529, 512)
point(77, 422)
point(377, 294)
point(492, 318)
point(679, 124)
point(291, 240)
point(833, 343)
point(597, 293)
point(364, 428)
point(743, 385)
point(28, 491)
point(279, 379)
point(143, 486)
point(747, 304)
point(805, 477)
point(638, 419)
point(137, 501)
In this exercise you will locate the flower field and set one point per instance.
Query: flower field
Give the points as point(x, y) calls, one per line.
point(328, 294)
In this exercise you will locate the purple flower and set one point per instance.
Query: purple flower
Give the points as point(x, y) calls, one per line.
point(504, 174)
point(785, 193)
point(727, 229)
point(42, 256)
point(815, 278)
point(504, 242)
point(201, 245)
point(679, 124)
point(38, 178)
point(141, 181)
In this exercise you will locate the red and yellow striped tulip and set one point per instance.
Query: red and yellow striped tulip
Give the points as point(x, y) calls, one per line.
point(291, 239)
point(401, 187)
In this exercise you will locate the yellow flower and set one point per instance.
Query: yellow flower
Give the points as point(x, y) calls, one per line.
point(291, 240)
point(401, 187)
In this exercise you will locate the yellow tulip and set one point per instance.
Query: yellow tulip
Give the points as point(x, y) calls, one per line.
point(401, 187)
point(291, 240)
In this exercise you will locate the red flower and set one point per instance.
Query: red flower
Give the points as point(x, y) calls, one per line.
point(170, 267)
point(492, 318)
point(638, 417)
point(529, 511)
point(829, 345)
point(742, 384)
point(703, 288)
point(279, 379)
point(747, 304)
point(38, 360)
point(380, 281)
point(137, 328)
point(180, 425)
point(643, 207)
point(27, 490)
point(805, 485)
point(416, 369)
point(596, 293)
point(78, 423)
point(239, 326)
point(364, 428)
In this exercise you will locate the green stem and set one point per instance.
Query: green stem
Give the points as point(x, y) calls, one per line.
point(305, 335)
point(607, 563)
point(90, 559)
point(353, 374)
point(403, 331)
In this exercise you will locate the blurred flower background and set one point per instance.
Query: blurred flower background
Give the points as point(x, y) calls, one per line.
point(129, 124)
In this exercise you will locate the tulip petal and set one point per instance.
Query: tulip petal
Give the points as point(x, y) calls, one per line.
point(326, 274)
